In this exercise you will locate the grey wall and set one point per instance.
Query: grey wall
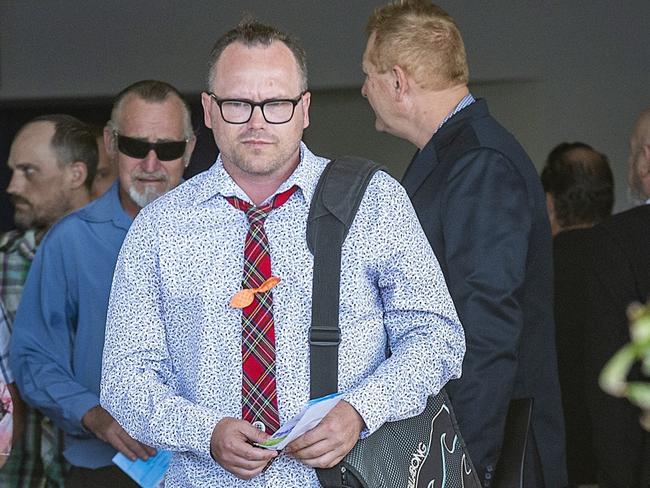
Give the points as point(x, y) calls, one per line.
point(552, 71)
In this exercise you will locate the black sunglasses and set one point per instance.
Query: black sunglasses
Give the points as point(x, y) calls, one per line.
point(137, 148)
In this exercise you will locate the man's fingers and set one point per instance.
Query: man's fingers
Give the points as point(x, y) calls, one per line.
point(309, 438)
point(118, 443)
point(252, 453)
point(252, 434)
point(137, 448)
point(313, 451)
point(246, 474)
point(325, 461)
point(150, 450)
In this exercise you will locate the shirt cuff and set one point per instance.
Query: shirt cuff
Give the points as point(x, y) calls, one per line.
point(369, 415)
point(81, 405)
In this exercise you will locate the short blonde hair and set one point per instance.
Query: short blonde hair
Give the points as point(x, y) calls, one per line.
point(422, 39)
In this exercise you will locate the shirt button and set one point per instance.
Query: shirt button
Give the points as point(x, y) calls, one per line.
point(259, 425)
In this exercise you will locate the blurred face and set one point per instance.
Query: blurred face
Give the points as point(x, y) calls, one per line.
point(143, 179)
point(377, 89)
point(258, 73)
point(39, 189)
point(638, 170)
point(106, 171)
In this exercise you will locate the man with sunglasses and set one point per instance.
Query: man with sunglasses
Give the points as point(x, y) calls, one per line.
point(59, 330)
point(185, 369)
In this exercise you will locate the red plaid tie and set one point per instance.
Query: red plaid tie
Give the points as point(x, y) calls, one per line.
point(259, 395)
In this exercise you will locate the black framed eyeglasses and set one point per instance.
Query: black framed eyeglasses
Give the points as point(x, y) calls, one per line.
point(138, 148)
point(240, 111)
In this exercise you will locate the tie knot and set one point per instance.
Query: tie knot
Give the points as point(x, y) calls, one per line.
point(257, 215)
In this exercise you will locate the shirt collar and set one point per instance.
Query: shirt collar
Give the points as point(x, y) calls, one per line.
point(107, 208)
point(217, 181)
point(23, 242)
point(464, 102)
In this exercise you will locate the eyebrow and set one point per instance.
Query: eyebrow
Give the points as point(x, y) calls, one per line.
point(18, 166)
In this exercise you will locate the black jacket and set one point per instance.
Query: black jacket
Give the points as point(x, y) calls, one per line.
point(621, 265)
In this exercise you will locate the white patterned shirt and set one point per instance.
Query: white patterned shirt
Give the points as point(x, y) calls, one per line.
point(172, 357)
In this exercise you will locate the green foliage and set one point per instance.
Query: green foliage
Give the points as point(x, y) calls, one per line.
point(614, 377)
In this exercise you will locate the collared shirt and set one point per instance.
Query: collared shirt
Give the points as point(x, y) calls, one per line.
point(17, 250)
point(464, 102)
point(59, 329)
point(172, 357)
point(36, 459)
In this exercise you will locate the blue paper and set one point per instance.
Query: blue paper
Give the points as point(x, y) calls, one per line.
point(149, 473)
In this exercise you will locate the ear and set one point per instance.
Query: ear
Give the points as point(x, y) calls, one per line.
point(109, 142)
point(77, 174)
point(401, 84)
point(306, 103)
point(206, 101)
point(550, 205)
point(646, 153)
point(189, 149)
point(550, 209)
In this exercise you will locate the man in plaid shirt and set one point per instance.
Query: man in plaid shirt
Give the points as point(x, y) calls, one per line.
point(53, 159)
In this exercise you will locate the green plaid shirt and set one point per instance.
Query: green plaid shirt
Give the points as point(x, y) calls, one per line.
point(36, 461)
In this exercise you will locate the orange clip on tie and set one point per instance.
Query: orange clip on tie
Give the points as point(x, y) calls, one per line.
point(243, 298)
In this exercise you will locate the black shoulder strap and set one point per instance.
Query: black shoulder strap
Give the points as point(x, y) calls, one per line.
point(333, 207)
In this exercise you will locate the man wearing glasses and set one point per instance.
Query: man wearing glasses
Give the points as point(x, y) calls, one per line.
point(187, 369)
point(59, 328)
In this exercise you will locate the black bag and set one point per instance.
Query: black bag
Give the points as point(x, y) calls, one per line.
point(410, 453)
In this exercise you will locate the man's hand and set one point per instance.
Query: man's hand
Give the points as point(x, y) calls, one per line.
point(105, 427)
point(328, 442)
point(231, 446)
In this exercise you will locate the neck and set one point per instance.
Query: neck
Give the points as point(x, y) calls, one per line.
point(430, 108)
point(39, 233)
point(80, 199)
point(129, 206)
point(77, 200)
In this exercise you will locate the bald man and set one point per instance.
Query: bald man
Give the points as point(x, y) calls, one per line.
point(638, 176)
point(53, 160)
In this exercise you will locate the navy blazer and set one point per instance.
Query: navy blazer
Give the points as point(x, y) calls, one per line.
point(481, 204)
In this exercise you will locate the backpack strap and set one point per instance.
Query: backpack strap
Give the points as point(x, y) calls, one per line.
point(333, 207)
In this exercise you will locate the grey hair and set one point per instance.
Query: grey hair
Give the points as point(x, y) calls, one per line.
point(151, 91)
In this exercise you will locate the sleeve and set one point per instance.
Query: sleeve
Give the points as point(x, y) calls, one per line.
point(138, 384)
point(42, 341)
point(424, 334)
point(5, 336)
point(486, 222)
point(618, 437)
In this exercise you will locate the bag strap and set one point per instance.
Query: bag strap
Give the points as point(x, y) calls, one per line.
point(333, 207)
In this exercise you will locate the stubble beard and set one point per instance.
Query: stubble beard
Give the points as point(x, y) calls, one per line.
point(259, 164)
point(32, 218)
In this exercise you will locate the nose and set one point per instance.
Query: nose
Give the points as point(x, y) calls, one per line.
point(14, 184)
point(151, 162)
point(257, 117)
point(364, 90)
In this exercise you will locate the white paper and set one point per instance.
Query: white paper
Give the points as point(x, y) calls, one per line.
point(307, 419)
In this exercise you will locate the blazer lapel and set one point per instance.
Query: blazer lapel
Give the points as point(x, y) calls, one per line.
point(421, 166)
